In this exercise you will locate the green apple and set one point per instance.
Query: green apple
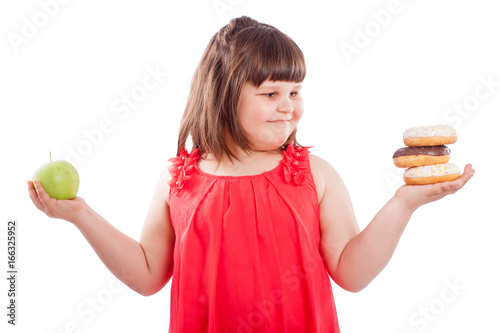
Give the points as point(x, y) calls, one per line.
point(59, 179)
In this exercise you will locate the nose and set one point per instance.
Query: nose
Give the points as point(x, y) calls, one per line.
point(285, 105)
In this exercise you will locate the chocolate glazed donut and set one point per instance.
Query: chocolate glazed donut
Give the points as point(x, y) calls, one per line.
point(416, 156)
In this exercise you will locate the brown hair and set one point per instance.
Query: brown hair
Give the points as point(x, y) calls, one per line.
point(244, 50)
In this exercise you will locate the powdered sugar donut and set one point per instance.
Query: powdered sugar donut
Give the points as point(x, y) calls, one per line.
point(430, 135)
point(430, 174)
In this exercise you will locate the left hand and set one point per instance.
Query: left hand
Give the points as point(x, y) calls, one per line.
point(418, 195)
point(68, 210)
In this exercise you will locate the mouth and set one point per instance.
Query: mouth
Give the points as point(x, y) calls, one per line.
point(280, 121)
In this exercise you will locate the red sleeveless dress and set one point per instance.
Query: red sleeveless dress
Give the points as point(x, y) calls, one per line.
point(247, 250)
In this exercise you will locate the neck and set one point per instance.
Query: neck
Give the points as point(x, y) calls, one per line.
point(243, 156)
point(247, 157)
point(250, 163)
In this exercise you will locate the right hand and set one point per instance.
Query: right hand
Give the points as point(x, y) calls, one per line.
point(59, 209)
point(418, 195)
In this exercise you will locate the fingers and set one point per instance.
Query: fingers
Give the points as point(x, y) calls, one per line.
point(466, 175)
point(456, 185)
point(469, 171)
point(43, 197)
point(34, 196)
point(446, 188)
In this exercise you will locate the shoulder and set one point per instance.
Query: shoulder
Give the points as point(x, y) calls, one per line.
point(322, 172)
point(326, 178)
point(162, 186)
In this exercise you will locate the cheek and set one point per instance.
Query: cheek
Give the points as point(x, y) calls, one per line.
point(252, 123)
point(253, 118)
point(298, 110)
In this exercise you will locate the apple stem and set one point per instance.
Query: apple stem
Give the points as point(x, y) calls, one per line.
point(50, 155)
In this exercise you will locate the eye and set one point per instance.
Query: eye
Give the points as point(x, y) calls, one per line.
point(270, 94)
point(294, 93)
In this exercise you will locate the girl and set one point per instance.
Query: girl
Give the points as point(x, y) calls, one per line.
point(248, 224)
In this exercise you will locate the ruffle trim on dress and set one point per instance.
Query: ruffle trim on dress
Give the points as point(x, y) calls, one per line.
point(295, 165)
point(182, 169)
point(294, 168)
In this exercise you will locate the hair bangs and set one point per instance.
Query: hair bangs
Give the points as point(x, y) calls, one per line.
point(273, 56)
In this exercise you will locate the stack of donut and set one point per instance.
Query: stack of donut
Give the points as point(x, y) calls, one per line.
point(426, 156)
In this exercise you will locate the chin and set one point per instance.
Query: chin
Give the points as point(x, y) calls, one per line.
point(273, 141)
point(279, 143)
point(270, 145)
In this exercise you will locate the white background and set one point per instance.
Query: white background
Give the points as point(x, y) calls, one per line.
point(411, 70)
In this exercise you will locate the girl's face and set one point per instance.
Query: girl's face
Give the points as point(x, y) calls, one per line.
point(269, 113)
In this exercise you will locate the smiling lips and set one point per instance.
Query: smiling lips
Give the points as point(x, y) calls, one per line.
point(280, 121)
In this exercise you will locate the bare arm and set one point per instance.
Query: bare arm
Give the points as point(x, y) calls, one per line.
point(353, 258)
point(144, 266)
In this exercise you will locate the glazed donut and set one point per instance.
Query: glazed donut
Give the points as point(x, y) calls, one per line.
point(430, 174)
point(430, 136)
point(417, 156)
